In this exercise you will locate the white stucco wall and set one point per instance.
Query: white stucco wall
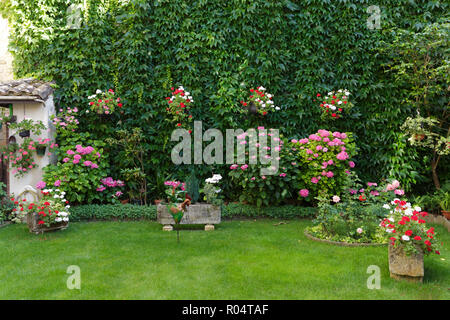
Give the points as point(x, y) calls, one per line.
point(35, 111)
point(5, 57)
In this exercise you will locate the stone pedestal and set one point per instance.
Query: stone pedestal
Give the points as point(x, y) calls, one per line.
point(404, 267)
point(199, 213)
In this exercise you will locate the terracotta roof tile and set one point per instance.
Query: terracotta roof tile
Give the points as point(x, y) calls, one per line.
point(29, 87)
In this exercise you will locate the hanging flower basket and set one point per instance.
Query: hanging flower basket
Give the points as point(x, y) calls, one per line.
point(40, 150)
point(35, 227)
point(24, 133)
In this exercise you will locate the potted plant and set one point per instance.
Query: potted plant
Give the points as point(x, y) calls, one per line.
point(335, 104)
point(445, 205)
point(410, 240)
point(48, 214)
point(40, 149)
point(104, 103)
point(259, 102)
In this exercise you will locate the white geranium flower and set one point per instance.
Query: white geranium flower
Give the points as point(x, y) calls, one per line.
point(181, 88)
point(418, 209)
point(389, 230)
point(405, 237)
point(187, 93)
point(65, 219)
point(332, 107)
point(386, 206)
point(408, 212)
point(269, 95)
point(391, 219)
point(339, 102)
point(98, 91)
point(217, 177)
point(277, 108)
point(340, 90)
point(67, 207)
point(58, 219)
point(56, 196)
point(359, 230)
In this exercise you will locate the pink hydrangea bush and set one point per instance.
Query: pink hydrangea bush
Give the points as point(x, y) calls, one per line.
point(324, 161)
point(253, 187)
point(80, 172)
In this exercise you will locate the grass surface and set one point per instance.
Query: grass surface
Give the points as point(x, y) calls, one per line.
point(239, 260)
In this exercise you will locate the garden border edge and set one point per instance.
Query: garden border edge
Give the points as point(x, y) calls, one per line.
point(343, 244)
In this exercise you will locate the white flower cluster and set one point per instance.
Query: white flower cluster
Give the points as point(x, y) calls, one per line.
point(268, 103)
point(186, 96)
point(215, 179)
point(58, 194)
point(330, 95)
point(407, 212)
point(62, 216)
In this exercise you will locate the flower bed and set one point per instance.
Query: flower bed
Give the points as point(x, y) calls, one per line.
point(310, 231)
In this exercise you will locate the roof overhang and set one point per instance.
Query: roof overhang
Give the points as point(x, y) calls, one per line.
point(24, 99)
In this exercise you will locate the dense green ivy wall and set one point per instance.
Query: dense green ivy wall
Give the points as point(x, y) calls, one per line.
point(218, 49)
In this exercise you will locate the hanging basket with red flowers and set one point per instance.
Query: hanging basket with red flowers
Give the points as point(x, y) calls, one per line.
point(260, 102)
point(104, 103)
point(335, 104)
point(178, 108)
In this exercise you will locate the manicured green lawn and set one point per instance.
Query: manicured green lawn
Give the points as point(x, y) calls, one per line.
point(239, 260)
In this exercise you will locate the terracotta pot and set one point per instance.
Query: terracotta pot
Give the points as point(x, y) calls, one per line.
point(419, 137)
point(125, 201)
point(446, 214)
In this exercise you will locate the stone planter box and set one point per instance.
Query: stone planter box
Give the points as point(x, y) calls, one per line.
point(199, 213)
point(403, 267)
point(34, 227)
